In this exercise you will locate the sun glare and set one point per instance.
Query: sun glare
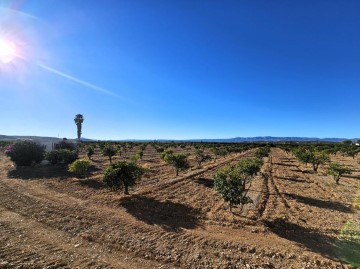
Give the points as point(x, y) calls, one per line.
point(7, 51)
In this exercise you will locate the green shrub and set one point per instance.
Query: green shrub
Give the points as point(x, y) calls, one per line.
point(262, 152)
point(61, 156)
point(52, 156)
point(80, 167)
point(90, 151)
point(122, 175)
point(25, 153)
point(166, 152)
point(65, 145)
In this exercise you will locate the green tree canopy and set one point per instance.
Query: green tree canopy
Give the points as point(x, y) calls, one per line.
point(233, 182)
point(122, 175)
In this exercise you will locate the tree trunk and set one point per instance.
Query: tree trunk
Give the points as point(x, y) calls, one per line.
point(337, 179)
point(315, 166)
point(110, 159)
point(78, 130)
point(177, 172)
point(126, 189)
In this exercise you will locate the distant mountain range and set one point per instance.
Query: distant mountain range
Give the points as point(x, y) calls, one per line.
point(35, 138)
point(228, 140)
point(274, 139)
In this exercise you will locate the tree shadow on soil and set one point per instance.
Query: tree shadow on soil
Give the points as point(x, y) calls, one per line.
point(309, 238)
point(320, 203)
point(285, 164)
point(92, 183)
point(169, 215)
point(296, 170)
point(209, 183)
point(350, 176)
point(93, 168)
point(39, 172)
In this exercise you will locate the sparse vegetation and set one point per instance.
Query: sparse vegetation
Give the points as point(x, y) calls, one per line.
point(164, 202)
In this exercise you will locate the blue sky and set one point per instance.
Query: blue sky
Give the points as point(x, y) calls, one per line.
point(181, 69)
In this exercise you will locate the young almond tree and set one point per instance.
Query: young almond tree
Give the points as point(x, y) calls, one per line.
point(233, 182)
point(337, 170)
point(179, 161)
point(109, 151)
point(315, 157)
point(201, 156)
point(122, 175)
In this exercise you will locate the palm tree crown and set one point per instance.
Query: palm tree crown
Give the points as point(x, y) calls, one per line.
point(79, 119)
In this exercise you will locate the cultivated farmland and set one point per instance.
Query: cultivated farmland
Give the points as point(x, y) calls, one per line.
point(298, 218)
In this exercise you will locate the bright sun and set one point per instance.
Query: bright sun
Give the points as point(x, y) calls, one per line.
point(7, 51)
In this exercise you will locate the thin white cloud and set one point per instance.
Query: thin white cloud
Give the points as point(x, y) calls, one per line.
point(82, 82)
point(20, 13)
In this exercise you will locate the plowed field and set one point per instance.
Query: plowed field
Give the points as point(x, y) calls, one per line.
point(49, 219)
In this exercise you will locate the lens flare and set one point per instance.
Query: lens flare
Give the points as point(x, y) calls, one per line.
point(7, 51)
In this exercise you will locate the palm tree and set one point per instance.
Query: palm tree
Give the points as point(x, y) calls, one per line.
point(79, 119)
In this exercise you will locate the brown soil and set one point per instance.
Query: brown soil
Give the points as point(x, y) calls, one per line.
point(48, 219)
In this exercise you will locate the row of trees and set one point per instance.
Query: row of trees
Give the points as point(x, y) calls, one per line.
point(319, 157)
point(229, 181)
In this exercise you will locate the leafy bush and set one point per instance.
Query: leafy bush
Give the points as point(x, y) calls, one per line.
point(61, 156)
point(25, 153)
point(135, 157)
point(65, 145)
point(141, 154)
point(122, 175)
point(233, 182)
point(80, 167)
point(262, 152)
point(166, 152)
point(90, 151)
